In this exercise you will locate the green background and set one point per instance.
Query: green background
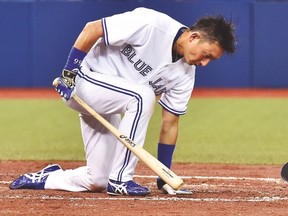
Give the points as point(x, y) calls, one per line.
point(226, 130)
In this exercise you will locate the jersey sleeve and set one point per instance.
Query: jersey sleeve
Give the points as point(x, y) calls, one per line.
point(133, 27)
point(176, 99)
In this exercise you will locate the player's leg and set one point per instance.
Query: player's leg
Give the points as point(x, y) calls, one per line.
point(99, 146)
point(108, 96)
point(111, 95)
point(134, 124)
point(100, 152)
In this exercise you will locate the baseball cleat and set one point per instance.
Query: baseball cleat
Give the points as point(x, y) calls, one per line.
point(126, 188)
point(284, 172)
point(34, 180)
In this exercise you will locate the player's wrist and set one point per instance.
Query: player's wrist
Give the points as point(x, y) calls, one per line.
point(74, 60)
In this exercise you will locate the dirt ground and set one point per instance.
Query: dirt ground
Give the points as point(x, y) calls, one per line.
point(217, 190)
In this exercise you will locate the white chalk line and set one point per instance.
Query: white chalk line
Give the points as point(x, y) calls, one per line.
point(248, 199)
point(276, 180)
point(218, 178)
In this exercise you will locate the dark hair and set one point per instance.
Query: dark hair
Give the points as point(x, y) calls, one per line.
point(217, 29)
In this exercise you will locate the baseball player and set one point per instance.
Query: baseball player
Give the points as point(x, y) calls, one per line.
point(117, 65)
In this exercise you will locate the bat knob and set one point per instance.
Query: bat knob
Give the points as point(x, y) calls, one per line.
point(56, 82)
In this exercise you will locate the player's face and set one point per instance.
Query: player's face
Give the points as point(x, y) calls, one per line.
point(201, 52)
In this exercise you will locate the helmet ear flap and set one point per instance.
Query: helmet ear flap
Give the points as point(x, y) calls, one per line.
point(284, 172)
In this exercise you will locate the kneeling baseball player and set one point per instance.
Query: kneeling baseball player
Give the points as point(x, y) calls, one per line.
point(118, 65)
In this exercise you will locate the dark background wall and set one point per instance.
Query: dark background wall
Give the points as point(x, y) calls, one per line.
point(36, 37)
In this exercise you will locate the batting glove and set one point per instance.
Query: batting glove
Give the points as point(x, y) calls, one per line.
point(65, 84)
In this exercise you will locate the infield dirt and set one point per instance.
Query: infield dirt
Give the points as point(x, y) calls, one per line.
point(217, 190)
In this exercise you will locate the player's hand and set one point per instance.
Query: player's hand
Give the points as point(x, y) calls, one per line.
point(169, 190)
point(65, 84)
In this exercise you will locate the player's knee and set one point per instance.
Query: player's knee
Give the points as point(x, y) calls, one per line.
point(97, 188)
point(97, 184)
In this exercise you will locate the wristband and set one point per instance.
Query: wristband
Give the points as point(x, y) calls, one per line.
point(165, 154)
point(75, 58)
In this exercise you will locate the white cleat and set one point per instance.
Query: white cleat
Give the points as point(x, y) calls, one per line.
point(166, 189)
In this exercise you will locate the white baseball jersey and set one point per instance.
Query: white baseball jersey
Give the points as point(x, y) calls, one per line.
point(121, 74)
point(137, 46)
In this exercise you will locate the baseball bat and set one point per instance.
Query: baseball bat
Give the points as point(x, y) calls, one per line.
point(154, 164)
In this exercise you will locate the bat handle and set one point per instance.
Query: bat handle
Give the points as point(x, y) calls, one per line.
point(56, 82)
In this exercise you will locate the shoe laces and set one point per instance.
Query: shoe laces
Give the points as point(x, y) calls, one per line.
point(37, 177)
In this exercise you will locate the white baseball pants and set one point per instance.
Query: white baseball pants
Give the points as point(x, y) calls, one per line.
point(126, 105)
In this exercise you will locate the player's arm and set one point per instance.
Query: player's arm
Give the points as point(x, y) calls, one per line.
point(166, 146)
point(89, 35)
point(65, 84)
point(169, 128)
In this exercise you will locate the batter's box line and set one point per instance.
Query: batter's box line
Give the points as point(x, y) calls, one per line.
point(277, 180)
point(5, 182)
point(156, 198)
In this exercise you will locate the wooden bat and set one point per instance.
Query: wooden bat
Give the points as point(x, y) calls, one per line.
point(155, 165)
